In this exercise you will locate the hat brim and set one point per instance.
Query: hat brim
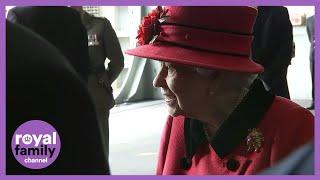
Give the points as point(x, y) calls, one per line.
point(171, 53)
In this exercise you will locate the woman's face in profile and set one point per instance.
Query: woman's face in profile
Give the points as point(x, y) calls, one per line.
point(184, 90)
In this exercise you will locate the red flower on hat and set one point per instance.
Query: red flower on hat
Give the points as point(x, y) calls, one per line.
point(149, 28)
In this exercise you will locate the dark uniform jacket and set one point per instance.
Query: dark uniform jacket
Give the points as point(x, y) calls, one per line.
point(273, 38)
point(62, 27)
point(277, 123)
point(272, 47)
point(103, 46)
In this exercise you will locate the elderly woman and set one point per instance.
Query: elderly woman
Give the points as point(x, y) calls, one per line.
point(222, 119)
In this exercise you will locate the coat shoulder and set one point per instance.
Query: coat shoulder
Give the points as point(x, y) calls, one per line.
point(284, 113)
point(291, 109)
point(22, 10)
point(287, 125)
point(95, 18)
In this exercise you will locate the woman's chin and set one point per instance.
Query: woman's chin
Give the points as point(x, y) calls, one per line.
point(175, 111)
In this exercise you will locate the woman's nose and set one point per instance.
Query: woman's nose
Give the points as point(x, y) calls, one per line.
point(159, 80)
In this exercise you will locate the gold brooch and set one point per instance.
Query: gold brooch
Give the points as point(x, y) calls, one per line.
point(254, 140)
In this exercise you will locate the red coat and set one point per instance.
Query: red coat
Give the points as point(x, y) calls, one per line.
point(284, 125)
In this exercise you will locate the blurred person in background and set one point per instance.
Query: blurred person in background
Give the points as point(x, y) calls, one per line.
point(273, 46)
point(41, 84)
point(103, 46)
point(299, 162)
point(62, 27)
point(311, 36)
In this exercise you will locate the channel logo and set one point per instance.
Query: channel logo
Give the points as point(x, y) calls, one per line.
point(35, 144)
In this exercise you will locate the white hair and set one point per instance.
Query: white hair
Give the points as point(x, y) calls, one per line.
point(204, 72)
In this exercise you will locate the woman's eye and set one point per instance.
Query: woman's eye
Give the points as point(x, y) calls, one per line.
point(171, 68)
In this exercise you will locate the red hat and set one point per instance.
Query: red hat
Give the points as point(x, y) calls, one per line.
point(217, 37)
